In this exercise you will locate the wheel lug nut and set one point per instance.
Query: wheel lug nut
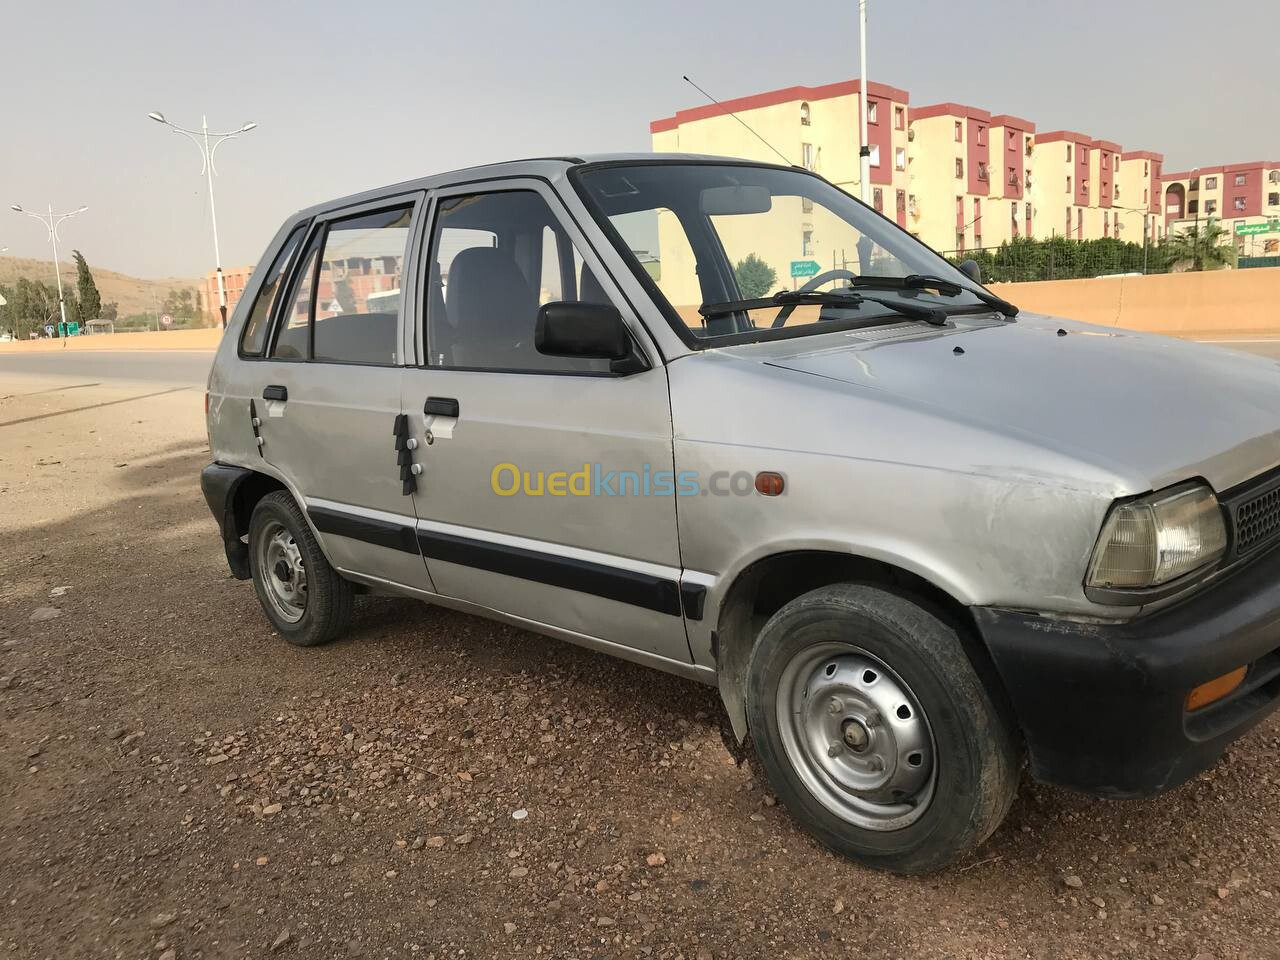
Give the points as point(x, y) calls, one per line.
point(875, 764)
point(835, 706)
point(834, 750)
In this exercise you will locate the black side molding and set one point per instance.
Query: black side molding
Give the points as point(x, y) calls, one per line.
point(597, 579)
point(382, 533)
point(693, 596)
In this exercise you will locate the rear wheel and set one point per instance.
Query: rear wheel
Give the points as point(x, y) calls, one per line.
point(305, 598)
point(875, 731)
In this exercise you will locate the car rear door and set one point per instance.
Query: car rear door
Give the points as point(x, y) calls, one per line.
point(327, 395)
point(547, 490)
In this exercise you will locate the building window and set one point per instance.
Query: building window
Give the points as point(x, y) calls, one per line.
point(1067, 230)
point(1068, 183)
point(1210, 183)
point(960, 212)
point(1238, 203)
point(877, 199)
point(1068, 153)
point(1030, 146)
point(959, 128)
point(900, 158)
point(872, 111)
point(1013, 218)
point(806, 205)
point(1193, 206)
point(911, 205)
point(982, 170)
point(1210, 206)
point(1146, 196)
point(1028, 219)
point(1105, 161)
point(982, 135)
point(1084, 187)
point(1013, 176)
point(1273, 199)
point(1146, 168)
point(1013, 139)
point(899, 118)
point(875, 155)
point(959, 167)
point(804, 114)
point(1241, 179)
point(806, 155)
point(960, 241)
point(1079, 223)
point(806, 243)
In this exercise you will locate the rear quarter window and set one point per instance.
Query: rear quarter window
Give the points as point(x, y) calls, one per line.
point(253, 339)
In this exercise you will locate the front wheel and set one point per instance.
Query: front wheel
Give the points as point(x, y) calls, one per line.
point(306, 600)
point(875, 731)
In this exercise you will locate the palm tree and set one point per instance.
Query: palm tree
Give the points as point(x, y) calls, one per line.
point(1205, 247)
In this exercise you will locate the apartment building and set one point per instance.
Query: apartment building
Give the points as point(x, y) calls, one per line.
point(235, 280)
point(1244, 197)
point(956, 176)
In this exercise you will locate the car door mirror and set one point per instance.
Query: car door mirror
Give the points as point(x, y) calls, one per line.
point(588, 330)
point(972, 270)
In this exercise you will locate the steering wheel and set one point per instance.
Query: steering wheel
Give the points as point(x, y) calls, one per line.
point(808, 287)
point(813, 283)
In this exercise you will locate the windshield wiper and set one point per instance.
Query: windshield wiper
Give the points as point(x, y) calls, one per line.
point(790, 299)
point(920, 281)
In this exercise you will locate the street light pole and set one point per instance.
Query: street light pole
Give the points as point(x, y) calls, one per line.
point(864, 174)
point(52, 221)
point(201, 139)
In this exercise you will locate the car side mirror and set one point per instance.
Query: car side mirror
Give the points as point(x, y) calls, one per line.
point(971, 269)
point(589, 330)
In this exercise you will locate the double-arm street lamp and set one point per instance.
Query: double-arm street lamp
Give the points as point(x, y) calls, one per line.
point(208, 144)
point(52, 221)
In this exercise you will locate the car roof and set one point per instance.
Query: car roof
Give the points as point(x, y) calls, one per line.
point(545, 167)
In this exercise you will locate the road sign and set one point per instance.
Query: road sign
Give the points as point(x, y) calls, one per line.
point(804, 268)
point(48, 329)
point(1253, 229)
point(166, 320)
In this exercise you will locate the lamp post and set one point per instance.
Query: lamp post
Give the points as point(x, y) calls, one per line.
point(864, 171)
point(201, 138)
point(52, 221)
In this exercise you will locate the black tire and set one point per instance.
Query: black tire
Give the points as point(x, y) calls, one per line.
point(976, 756)
point(327, 612)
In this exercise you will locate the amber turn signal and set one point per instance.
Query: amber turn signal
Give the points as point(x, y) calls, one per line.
point(769, 484)
point(1215, 689)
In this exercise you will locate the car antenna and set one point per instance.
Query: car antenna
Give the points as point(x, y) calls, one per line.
point(740, 120)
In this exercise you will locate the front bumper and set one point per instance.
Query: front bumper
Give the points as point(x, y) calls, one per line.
point(1102, 706)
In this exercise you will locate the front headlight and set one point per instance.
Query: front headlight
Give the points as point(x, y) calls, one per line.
point(1158, 538)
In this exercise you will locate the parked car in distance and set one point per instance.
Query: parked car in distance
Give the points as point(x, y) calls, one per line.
point(915, 537)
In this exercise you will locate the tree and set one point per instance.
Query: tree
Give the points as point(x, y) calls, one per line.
point(31, 305)
point(754, 276)
point(87, 291)
point(1202, 248)
point(111, 311)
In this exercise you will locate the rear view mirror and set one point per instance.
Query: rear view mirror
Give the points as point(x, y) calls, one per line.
point(731, 201)
point(971, 270)
point(588, 330)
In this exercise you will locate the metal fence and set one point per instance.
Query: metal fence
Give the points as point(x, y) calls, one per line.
point(1061, 259)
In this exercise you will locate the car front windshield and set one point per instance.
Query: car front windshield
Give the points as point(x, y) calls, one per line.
point(712, 235)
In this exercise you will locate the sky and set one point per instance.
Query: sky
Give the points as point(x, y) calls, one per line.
point(352, 95)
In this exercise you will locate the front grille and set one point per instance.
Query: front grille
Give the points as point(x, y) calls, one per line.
point(1255, 513)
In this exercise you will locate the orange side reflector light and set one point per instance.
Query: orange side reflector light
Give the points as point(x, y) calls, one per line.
point(1207, 693)
point(769, 484)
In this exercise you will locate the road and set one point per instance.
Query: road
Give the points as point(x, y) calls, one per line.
point(186, 368)
point(191, 367)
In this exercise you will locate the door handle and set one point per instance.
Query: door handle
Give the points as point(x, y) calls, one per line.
point(440, 407)
point(275, 392)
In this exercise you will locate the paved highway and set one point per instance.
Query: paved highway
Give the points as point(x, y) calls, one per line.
point(187, 368)
point(191, 367)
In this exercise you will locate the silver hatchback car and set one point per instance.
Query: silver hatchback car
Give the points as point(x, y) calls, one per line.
point(724, 420)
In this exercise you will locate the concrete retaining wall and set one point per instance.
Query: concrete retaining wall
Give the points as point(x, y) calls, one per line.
point(1221, 303)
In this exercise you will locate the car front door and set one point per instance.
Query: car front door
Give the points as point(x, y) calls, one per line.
point(546, 490)
point(328, 393)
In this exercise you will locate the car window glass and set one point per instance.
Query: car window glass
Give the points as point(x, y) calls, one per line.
point(357, 306)
point(254, 337)
point(295, 328)
point(496, 259)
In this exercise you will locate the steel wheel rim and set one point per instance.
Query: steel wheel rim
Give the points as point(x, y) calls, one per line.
point(284, 575)
point(856, 736)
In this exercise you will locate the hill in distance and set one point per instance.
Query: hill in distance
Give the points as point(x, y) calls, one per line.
point(133, 294)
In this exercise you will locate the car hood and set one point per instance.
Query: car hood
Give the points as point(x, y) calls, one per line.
point(1162, 408)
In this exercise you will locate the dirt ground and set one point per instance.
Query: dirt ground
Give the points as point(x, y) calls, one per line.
point(177, 782)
